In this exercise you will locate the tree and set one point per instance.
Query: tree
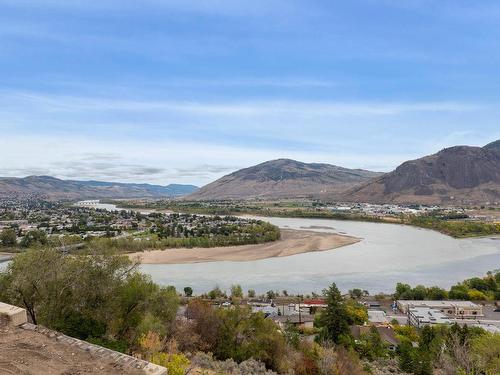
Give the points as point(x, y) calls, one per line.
point(370, 345)
point(356, 312)
point(292, 335)
point(476, 295)
point(176, 364)
point(334, 320)
point(236, 291)
point(419, 292)
point(403, 291)
point(8, 237)
point(216, 293)
point(251, 293)
point(188, 291)
point(478, 284)
point(102, 298)
point(486, 353)
point(33, 238)
point(436, 293)
point(205, 324)
point(414, 360)
point(271, 294)
point(243, 335)
point(356, 293)
point(405, 353)
point(458, 292)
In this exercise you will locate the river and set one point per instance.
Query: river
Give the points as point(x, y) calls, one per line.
point(387, 254)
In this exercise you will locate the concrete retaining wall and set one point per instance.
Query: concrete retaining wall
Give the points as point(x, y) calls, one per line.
point(12, 315)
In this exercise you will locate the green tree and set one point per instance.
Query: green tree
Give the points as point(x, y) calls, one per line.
point(236, 291)
point(405, 353)
point(476, 295)
point(414, 360)
point(486, 353)
point(188, 291)
point(8, 237)
point(370, 345)
point(216, 293)
point(98, 297)
point(436, 293)
point(292, 336)
point(478, 284)
point(271, 294)
point(34, 238)
point(334, 321)
point(459, 292)
point(356, 293)
point(177, 364)
point(356, 312)
point(403, 291)
point(419, 292)
point(251, 293)
point(243, 335)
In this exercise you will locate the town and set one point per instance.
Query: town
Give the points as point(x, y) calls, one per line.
point(310, 207)
point(27, 222)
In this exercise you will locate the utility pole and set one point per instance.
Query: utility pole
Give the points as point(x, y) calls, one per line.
point(300, 313)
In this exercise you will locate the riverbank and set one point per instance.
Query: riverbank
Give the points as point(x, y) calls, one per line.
point(451, 227)
point(292, 242)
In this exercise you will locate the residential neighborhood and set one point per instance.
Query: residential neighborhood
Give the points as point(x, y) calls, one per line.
point(83, 221)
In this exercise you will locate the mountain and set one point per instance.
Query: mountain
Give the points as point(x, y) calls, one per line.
point(493, 146)
point(283, 178)
point(455, 175)
point(54, 188)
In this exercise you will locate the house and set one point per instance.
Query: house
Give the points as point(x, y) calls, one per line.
point(372, 304)
point(266, 310)
point(385, 331)
point(298, 320)
point(311, 306)
point(453, 309)
point(377, 316)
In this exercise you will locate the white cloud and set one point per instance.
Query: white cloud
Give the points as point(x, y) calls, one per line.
point(163, 141)
point(154, 161)
point(53, 103)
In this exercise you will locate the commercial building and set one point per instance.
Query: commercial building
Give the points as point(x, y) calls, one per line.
point(453, 309)
point(424, 316)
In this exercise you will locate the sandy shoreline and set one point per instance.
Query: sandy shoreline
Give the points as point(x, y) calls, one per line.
point(292, 242)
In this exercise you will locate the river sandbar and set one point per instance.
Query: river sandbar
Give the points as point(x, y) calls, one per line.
point(292, 242)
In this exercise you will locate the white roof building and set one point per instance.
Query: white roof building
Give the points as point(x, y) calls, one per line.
point(377, 316)
point(456, 309)
point(424, 316)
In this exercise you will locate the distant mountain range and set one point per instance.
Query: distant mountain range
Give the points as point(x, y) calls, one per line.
point(54, 188)
point(283, 178)
point(455, 175)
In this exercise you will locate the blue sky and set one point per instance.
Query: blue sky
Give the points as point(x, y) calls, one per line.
point(185, 91)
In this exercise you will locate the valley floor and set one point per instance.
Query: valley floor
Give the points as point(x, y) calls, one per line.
point(292, 242)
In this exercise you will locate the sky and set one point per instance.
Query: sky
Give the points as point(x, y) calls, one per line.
point(185, 91)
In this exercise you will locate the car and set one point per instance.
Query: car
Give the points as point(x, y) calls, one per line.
point(497, 309)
